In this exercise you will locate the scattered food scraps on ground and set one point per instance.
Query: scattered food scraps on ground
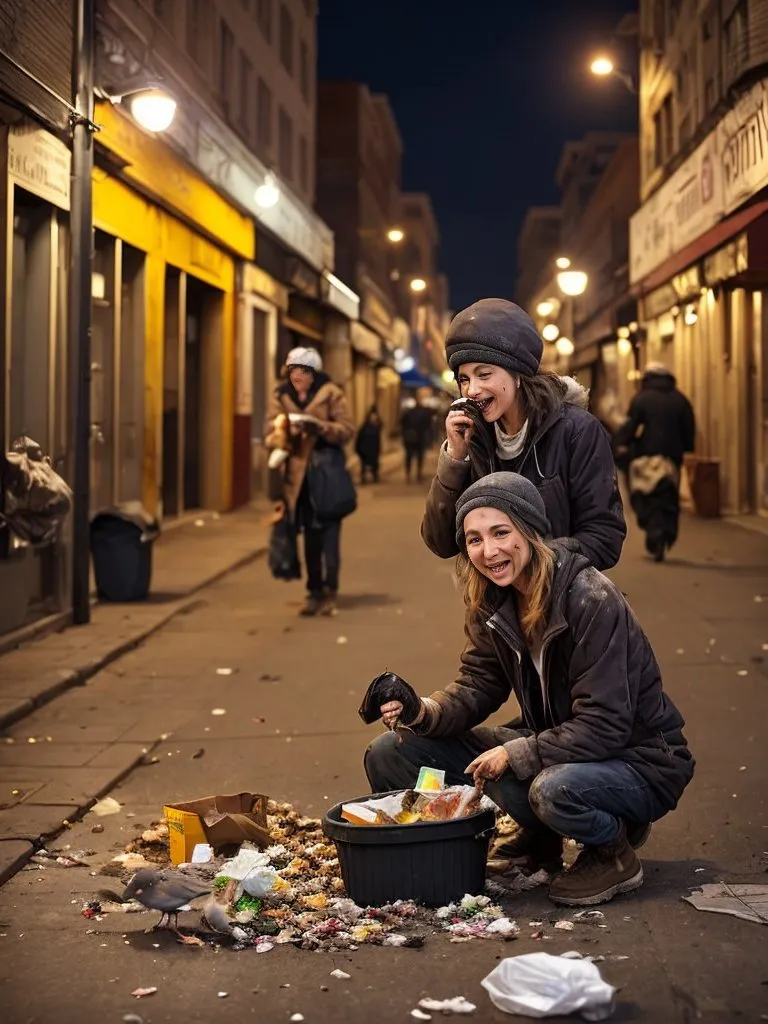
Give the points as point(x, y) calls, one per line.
point(106, 806)
point(140, 993)
point(457, 1005)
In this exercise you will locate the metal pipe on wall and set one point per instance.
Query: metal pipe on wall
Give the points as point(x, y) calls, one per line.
point(81, 228)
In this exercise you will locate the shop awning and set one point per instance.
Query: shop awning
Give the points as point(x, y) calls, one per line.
point(705, 243)
point(414, 379)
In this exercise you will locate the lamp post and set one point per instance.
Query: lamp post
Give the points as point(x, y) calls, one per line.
point(603, 67)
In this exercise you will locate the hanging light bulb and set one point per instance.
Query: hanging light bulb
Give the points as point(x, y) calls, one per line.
point(565, 347)
point(550, 332)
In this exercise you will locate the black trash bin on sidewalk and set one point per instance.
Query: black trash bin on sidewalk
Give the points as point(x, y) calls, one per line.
point(121, 546)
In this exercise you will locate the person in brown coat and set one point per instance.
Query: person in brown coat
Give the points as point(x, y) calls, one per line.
point(307, 413)
point(598, 750)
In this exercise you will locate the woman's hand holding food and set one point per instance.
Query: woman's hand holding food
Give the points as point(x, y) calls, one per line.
point(458, 431)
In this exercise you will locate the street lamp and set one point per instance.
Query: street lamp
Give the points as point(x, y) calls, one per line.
point(153, 109)
point(395, 235)
point(418, 284)
point(572, 282)
point(267, 194)
point(564, 347)
point(602, 66)
point(562, 263)
point(550, 332)
point(546, 308)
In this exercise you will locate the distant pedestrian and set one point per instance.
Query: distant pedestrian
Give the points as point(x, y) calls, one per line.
point(312, 411)
point(660, 427)
point(368, 446)
point(416, 428)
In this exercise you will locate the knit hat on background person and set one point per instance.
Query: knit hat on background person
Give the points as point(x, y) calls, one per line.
point(509, 493)
point(308, 358)
point(657, 370)
point(494, 331)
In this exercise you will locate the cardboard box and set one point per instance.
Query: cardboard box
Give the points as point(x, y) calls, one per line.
point(222, 821)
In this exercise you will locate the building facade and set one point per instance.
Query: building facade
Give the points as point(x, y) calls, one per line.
point(699, 242)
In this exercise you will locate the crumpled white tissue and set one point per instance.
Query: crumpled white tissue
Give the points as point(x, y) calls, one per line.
point(542, 985)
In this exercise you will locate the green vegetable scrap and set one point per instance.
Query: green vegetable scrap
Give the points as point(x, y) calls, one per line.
point(221, 882)
point(247, 902)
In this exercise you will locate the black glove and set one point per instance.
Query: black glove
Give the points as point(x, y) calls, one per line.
point(384, 688)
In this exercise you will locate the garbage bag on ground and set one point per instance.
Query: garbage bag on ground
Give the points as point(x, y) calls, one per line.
point(252, 871)
point(36, 499)
point(541, 985)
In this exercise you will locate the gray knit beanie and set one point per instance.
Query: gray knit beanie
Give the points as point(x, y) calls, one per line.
point(509, 493)
point(494, 331)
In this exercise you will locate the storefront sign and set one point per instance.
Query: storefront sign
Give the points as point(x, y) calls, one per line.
point(259, 282)
point(40, 163)
point(729, 167)
point(685, 207)
point(743, 142)
point(730, 261)
point(365, 341)
point(659, 301)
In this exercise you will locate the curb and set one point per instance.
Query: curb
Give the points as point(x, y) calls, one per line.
point(78, 676)
point(20, 857)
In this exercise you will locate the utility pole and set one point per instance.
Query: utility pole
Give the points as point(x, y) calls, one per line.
point(81, 230)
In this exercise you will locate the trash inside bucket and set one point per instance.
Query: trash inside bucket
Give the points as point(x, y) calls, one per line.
point(431, 862)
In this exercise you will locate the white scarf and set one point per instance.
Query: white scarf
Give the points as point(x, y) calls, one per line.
point(509, 446)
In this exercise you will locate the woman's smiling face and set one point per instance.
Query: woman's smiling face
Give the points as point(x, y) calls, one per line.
point(496, 547)
point(492, 387)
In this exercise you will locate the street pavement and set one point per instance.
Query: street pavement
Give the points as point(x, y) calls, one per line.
point(291, 730)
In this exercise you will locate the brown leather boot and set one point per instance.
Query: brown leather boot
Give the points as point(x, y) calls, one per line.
point(531, 849)
point(599, 874)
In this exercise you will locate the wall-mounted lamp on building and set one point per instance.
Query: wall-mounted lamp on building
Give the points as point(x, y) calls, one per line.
point(152, 107)
point(691, 316)
point(633, 326)
point(395, 235)
point(547, 307)
point(267, 194)
point(624, 346)
point(550, 332)
point(418, 284)
point(623, 332)
point(565, 347)
point(562, 263)
point(572, 282)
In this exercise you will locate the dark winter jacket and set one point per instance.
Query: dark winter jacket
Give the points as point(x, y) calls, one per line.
point(660, 421)
point(600, 697)
point(416, 427)
point(570, 462)
point(368, 442)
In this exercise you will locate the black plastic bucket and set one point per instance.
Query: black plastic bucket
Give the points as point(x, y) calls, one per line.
point(433, 863)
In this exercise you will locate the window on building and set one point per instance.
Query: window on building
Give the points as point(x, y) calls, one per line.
point(667, 110)
point(264, 18)
point(304, 70)
point(285, 144)
point(163, 11)
point(659, 23)
point(286, 39)
point(263, 116)
point(226, 58)
point(195, 23)
point(303, 164)
point(245, 99)
point(658, 140)
point(736, 33)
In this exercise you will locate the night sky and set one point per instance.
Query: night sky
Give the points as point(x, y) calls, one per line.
point(485, 93)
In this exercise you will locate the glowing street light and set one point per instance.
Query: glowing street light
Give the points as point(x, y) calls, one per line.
point(546, 308)
point(153, 109)
point(565, 347)
point(267, 194)
point(562, 263)
point(550, 332)
point(418, 284)
point(395, 235)
point(624, 346)
point(601, 66)
point(572, 282)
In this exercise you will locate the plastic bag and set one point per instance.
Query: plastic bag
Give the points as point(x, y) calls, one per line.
point(541, 985)
point(283, 550)
point(252, 871)
point(37, 499)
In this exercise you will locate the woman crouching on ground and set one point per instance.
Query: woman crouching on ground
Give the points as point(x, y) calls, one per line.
point(598, 752)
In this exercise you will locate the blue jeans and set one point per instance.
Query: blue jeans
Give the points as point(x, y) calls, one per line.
point(584, 801)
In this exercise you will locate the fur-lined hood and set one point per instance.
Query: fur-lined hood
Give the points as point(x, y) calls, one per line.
point(576, 394)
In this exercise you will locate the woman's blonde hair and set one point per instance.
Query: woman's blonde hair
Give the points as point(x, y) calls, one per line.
point(481, 595)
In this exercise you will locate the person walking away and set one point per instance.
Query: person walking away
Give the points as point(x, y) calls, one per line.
point(526, 421)
point(368, 446)
point(416, 428)
point(598, 752)
point(659, 429)
point(317, 418)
